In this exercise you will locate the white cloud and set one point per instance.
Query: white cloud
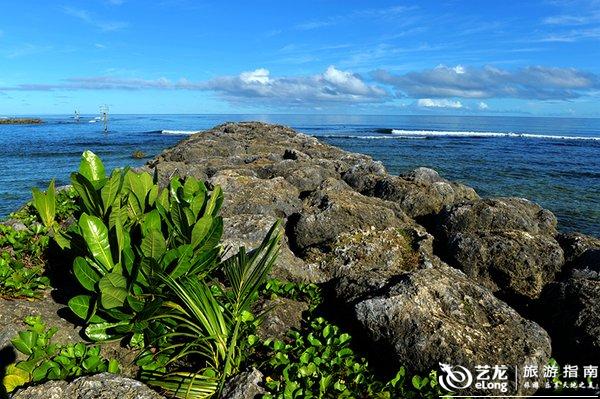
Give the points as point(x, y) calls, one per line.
point(438, 103)
point(483, 106)
point(534, 82)
point(260, 75)
point(331, 86)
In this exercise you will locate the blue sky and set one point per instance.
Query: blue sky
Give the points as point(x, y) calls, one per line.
point(371, 57)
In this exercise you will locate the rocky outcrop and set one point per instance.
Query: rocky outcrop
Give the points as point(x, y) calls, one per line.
point(100, 386)
point(419, 193)
point(351, 224)
point(437, 314)
point(572, 305)
point(506, 244)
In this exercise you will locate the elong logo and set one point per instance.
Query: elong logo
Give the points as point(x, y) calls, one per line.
point(454, 377)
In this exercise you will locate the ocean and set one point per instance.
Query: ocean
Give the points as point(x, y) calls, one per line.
point(552, 161)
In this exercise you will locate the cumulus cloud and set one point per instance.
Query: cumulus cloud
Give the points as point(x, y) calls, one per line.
point(331, 86)
point(535, 82)
point(438, 103)
point(483, 106)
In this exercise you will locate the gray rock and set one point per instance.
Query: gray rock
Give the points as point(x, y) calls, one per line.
point(249, 230)
point(507, 244)
point(252, 195)
point(365, 261)
point(245, 385)
point(17, 225)
point(419, 193)
point(282, 315)
point(335, 209)
point(581, 251)
point(13, 313)
point(572, 305)
point(100, 386)
point(437, 314)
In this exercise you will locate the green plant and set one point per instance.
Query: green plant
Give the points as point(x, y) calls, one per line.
point(21, 262)
point(50, 361)
point(213, 321)
point(306, 292)
point(320, 363)
point(128, 232)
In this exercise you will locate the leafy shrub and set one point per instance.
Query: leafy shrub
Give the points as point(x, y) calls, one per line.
point(21, 262)
point(50, 361)
point(149, 261)
point(129, 231)
point(320, 363)
point(304, 292)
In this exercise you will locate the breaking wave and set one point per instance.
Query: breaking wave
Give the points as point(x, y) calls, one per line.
point(444, 133)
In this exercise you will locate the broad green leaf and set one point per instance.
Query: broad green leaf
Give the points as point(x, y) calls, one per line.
point(153, 245)
point(99, 331)
point(45, 204)
point(91, 166)
point(113, 290)
point(215, 202)
point(213, 236)
point(190, 188)
point(87, 276)
point(95, 234)
point(163, 198)
point(151, 221)
point(153, 194)
point(201, 229)
point(140, 185)
point(174, 188)
point(111, 190)
point(81, 305)
point(14, 378)
point(92, 202)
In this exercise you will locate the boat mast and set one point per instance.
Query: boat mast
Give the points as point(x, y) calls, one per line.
point(104, 115)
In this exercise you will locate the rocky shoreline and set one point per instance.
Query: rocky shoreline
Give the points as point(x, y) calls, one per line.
point(425, 270)
point(20, 121)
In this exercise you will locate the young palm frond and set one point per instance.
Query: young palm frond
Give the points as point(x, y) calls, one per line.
point(207, 328)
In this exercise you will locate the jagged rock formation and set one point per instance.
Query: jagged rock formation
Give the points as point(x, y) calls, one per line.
point(382, 243)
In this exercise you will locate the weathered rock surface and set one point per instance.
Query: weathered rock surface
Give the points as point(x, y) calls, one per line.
point(13, 313)
point(335, 209)
point(581, 251)
point(100, 386)
point(438, 314)
point(572, 305)
point(282, 315)
point(245, 385)
point(507, 244)
point(419, 193)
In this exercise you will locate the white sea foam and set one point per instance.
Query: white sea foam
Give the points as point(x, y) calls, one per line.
point(444, 133)
point(179, 131)
point(381, 137)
